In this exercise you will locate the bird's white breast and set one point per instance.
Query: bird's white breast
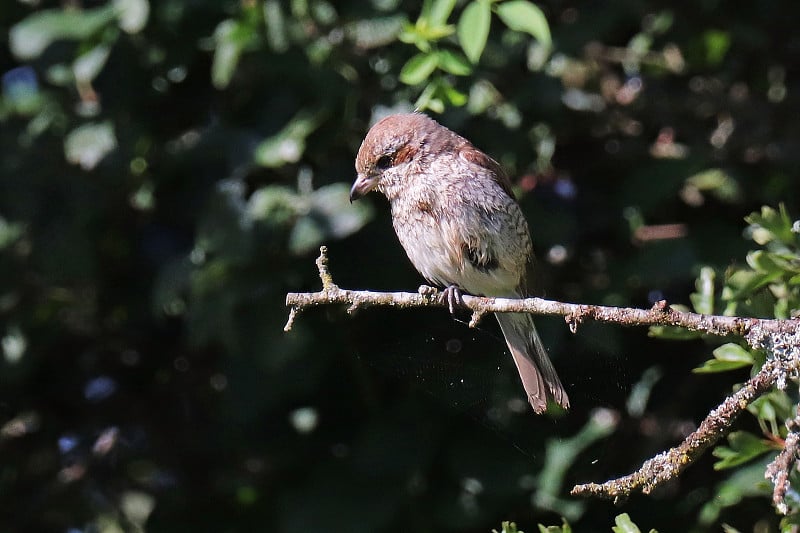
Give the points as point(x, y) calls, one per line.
point(436, 225)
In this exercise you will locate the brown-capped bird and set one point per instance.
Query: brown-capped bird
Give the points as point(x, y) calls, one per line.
point(455, 214)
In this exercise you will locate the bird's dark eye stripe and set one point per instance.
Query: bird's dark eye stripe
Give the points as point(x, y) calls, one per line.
point(384, 162)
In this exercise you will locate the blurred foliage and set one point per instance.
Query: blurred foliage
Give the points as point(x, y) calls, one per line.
point(169, 168)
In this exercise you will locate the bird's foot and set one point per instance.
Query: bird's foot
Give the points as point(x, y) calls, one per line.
point(454, 297)
point(427, 290)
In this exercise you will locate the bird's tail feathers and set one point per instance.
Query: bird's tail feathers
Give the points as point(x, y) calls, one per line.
point(538, 374)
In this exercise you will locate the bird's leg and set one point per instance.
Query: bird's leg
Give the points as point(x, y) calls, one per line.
point(453, 296)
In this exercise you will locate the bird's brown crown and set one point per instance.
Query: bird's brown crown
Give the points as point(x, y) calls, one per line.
point(396, 139)
point(400, 138)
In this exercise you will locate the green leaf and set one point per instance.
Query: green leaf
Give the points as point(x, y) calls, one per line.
point(717, 44)
point(624, 524)
point(742, 447)
point(275, 205)
point(439, 12)
point(312, 217)
point(279, 150)
point(431, 24)
point(473, 28)
point(726, 357)
point(661, 22)
point(454, 96)
point(87, 145)
point(703, 299)
point(306, 235)
point(419, 68)
point(331, 203)
point(713, 366)
point(716, 182)
point(521, 15)
point(87, 66)
point(289, 144)
point(563, 528)
point(769, 225)
point(230, 39)
point(411, 34)
point(743, 482)
point(640, 44)
point(30, 37)
point(482, 95)
point(771, 410)
point(428, 99)
point(733, 353)
point(132, 14)
point(743, 283)
point(767, 262)
point(10, 232)
point(508, 527)
point(454, 63)
point(366, 34)
point(432, 33)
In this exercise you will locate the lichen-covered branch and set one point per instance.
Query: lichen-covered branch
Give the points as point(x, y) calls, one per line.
point(779, 470)
point(787, 348)
point(783, 362)
point(668, 465)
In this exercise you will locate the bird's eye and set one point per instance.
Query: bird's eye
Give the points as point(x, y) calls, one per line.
point(383, 162)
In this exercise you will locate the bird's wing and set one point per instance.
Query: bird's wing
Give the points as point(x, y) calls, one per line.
point(476, 157)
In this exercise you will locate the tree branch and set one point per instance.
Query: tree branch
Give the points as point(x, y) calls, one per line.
point(668, 465)
point(779, 470)
point(659, 315)
point(779, 338)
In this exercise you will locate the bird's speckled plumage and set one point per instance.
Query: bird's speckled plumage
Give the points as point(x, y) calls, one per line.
point(455, 215)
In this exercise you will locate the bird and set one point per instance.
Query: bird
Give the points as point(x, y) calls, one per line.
point(454, 211)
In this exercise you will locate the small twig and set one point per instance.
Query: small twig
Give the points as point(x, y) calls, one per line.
point(327, 286)
point(293, 312)
point(324, 273)
point(779, 470)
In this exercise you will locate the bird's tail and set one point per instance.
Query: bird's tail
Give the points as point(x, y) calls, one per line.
point(538, 374)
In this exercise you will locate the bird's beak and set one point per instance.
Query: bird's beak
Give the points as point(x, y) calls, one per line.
point(362, 186)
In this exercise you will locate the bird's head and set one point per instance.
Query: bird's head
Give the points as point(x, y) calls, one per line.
point(391, 144)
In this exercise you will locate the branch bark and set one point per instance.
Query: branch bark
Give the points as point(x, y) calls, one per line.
point(574, 314)
point(779, 338)
point(779, 470)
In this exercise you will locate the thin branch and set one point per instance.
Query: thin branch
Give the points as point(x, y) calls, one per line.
point(779, 470)
point(668, 465)
point(783, 363)
point(574, 314)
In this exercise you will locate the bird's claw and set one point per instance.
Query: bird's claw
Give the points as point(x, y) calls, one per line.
point(427, 290)
point(453, 296)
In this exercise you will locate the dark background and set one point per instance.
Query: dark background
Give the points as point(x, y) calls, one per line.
point(146, 382)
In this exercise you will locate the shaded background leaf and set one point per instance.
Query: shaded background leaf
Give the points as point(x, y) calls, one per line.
point(521, 15)
point(473, 28)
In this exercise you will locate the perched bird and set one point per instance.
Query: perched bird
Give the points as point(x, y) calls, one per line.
point(455, 214)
